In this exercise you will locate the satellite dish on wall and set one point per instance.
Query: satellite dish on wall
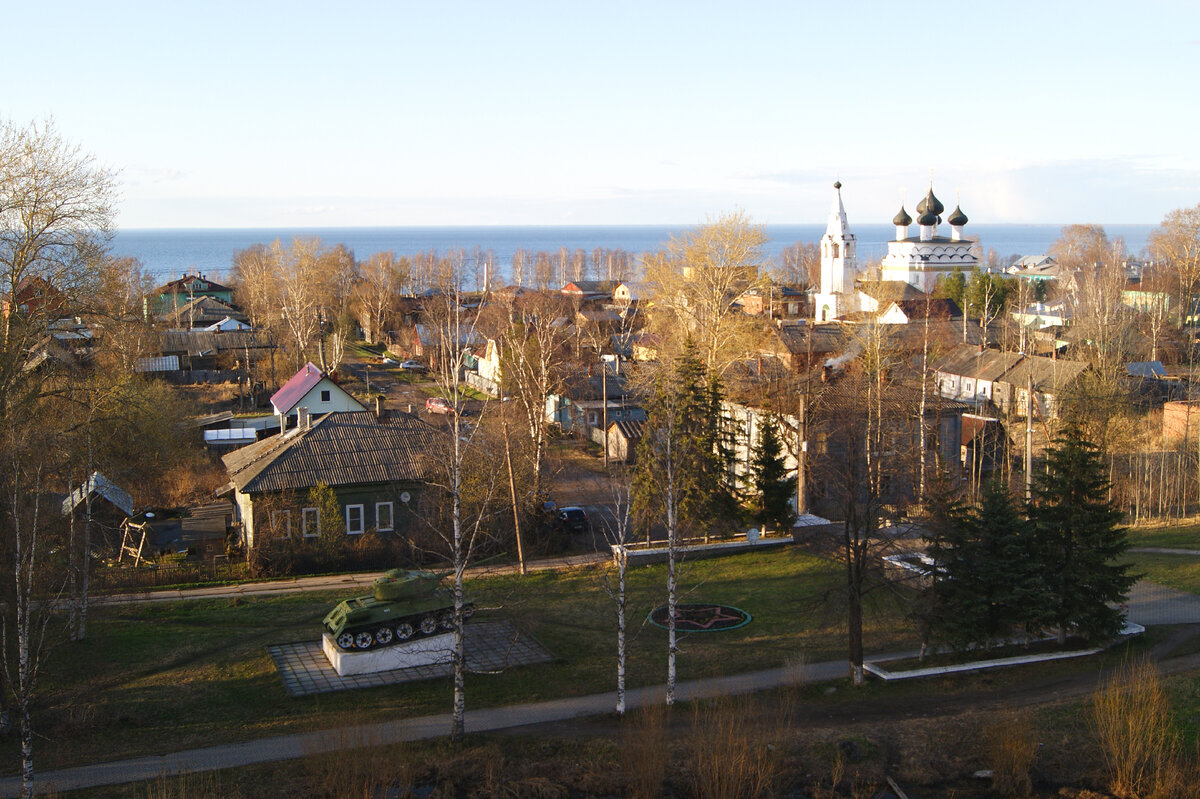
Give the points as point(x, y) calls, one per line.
point(405, 497)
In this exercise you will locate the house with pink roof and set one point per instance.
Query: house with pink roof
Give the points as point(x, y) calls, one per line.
point(310, 393)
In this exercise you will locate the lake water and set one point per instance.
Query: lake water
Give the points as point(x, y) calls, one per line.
point(170, 253)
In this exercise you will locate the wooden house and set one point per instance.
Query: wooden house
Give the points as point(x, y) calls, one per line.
point(376, 468)
point(309, 389)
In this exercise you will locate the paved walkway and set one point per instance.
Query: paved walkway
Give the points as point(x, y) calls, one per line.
point(287, 747)
point(1165, 550)
point(331, 582)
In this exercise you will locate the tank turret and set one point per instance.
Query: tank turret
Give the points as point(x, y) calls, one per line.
point(403, 605)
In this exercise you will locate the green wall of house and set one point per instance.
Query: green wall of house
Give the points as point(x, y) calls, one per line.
point(275, 514)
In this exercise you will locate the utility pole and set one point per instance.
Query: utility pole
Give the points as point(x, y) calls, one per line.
point(1029, 436)
point(604, 407)
point(802, 453)
point(802, 432)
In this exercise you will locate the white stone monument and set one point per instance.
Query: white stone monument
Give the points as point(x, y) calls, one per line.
point(431, 650)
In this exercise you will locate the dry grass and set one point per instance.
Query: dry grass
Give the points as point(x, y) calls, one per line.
point(1131, 714)
point(188, 786)
point(351, 766)
point(210, 397)
point(1011, 748)
point(733, 754)
point(795, 670)
point(645, 754)
point(188, 481)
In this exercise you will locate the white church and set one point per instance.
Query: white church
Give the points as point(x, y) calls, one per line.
point(920, 261)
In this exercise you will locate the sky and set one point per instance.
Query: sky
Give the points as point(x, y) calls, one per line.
point(305, 114)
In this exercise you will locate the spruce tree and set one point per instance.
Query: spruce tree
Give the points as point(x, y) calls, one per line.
point(686, 400)
point(773, 489)
point(1080, 541)
point(988, 583)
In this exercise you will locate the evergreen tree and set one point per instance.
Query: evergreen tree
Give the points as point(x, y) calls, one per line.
point(773, 489)
point(946, 513)
point(989, 582)
point(953, 287)
point(684, 404)
point(1079, 539)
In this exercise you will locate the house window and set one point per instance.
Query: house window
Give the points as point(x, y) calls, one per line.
point(281, 523)
point(310, 522)
point(383, 516)
point(354, 519)
point(325, 396)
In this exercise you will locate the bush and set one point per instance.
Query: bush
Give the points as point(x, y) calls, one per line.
point(1131, 714)
point(1011, 749)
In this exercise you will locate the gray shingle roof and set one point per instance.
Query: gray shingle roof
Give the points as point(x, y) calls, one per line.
point(201, 342)
point(338, 449)
point(988, 365)
point(1050, 375)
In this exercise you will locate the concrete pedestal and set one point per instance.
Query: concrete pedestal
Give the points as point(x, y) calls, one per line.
point(422, 652)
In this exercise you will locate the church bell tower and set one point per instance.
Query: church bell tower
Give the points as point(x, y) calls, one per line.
point(838, 264)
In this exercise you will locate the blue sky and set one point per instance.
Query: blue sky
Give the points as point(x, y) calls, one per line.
point(320, 114)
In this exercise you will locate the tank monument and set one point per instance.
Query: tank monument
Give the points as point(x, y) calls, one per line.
point(407, 620)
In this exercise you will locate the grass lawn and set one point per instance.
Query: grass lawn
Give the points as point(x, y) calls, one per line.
point(1177, 571)
point(158, 677)
point(361, 349)
point(598, 757)
point(1173, 536)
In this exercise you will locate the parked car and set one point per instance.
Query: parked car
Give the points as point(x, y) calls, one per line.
point(438, 405)
point(573, 520)
point(414, 366)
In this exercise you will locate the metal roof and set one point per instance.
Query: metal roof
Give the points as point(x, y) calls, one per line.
point(166, 363)
point(630, 429)
point(296, 387)
point(101, 486)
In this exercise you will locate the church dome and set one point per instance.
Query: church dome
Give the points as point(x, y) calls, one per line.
point(928, 219)
point(930, 204)
point(902, 219)
point(958, 217)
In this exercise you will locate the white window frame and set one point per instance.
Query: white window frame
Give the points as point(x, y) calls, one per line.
point(361, 519)
point(391, 517)
point(306, 530)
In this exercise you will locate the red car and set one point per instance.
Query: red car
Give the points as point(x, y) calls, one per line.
point(438, 405)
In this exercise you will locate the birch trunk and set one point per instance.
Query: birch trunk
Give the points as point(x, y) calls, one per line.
point(672, 542)
point(622, 564)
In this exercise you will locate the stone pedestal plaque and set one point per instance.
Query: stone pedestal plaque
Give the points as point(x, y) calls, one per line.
point(421, 652)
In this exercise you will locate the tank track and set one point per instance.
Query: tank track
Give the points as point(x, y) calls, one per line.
point(401, 630)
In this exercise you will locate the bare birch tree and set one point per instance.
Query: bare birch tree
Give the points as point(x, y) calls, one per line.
point(1176, 244)
point(535, 350)
point(695, 283)
point(384, 277)
point(467, 491)
point(618, 533)
point(56, 210)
